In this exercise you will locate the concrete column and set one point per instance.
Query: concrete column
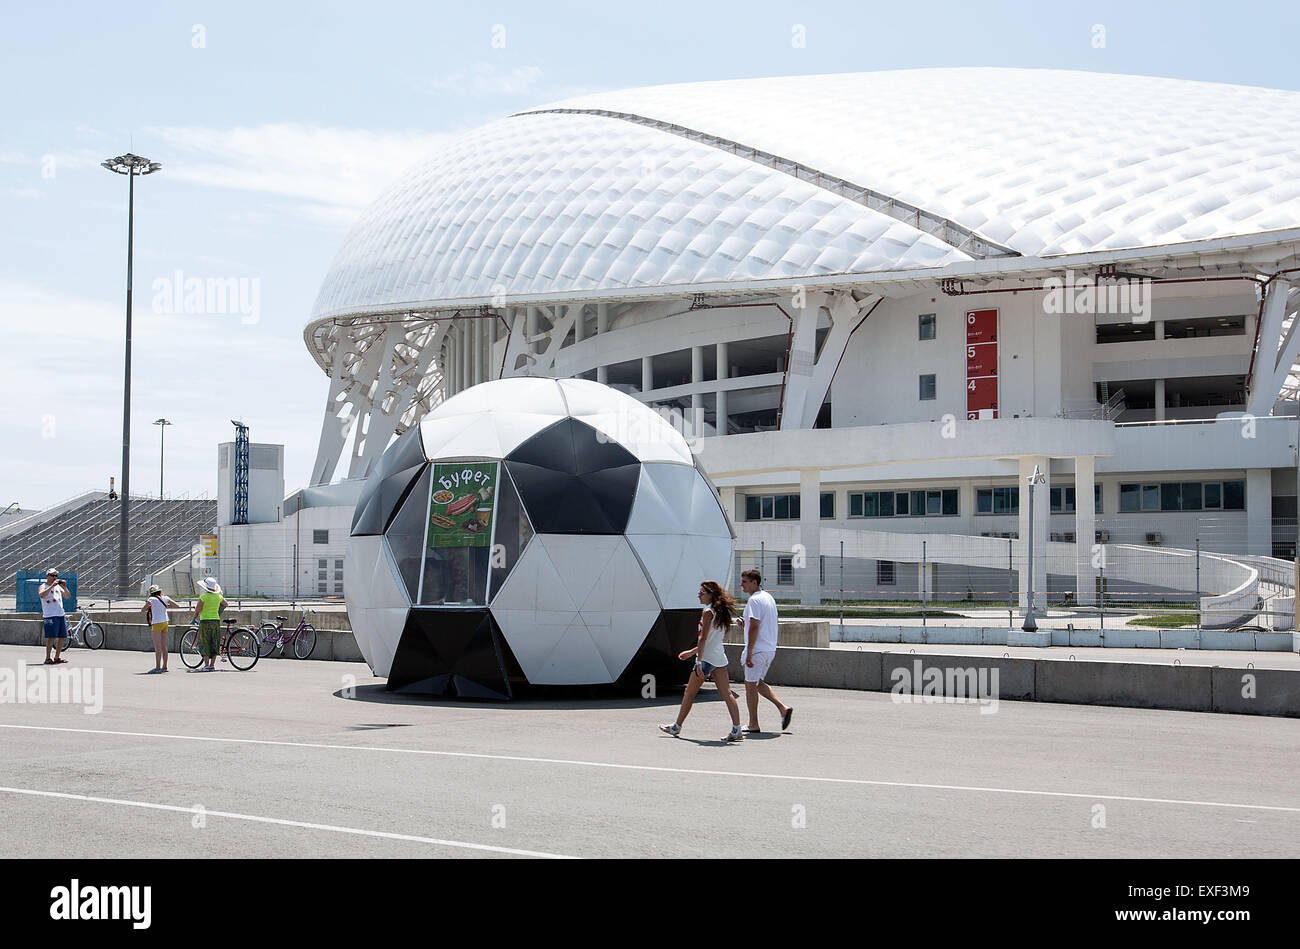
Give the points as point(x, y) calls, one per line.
point(467, 354)
point(476, 349)
point(1160, 398)
point(1042, 503)
point(578, 326)
point(721, 399)
point(1085, 525)
point(808, 578)
point(1259, 511)
point(647, 374)
point(697, 398)
point(1160, 329)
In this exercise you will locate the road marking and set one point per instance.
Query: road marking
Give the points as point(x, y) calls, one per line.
point(655, 768)
point(333, 828)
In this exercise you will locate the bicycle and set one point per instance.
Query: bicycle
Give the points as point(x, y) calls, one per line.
point(94, 633)
point(238, 646)
point(271, 635)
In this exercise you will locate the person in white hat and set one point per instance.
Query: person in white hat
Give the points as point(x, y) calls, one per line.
point(156, 606)
point(208, 612)
point(52, 593)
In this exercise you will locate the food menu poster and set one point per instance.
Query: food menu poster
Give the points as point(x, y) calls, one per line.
point(462, 498)
point(981, 364)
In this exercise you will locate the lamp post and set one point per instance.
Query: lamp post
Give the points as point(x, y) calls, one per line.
point(129, 165)
point(1029, 626)
point(162, 424)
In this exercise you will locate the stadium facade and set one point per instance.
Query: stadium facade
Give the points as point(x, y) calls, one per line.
point(878, 302)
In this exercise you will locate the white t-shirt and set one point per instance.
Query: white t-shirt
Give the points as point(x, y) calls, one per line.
point(158, 608)
point(52, 602)
point(761, 607)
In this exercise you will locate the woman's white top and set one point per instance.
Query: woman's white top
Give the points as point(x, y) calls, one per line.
point(158, 608)
point(713, 653)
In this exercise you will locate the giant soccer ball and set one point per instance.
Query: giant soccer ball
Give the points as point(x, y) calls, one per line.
point(533, 531)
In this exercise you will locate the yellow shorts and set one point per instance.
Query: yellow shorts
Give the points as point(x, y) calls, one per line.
point(159, 627)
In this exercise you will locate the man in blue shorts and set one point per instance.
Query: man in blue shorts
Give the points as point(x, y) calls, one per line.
point(52, 593)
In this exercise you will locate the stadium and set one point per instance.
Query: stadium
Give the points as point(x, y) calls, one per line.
point(876, 303)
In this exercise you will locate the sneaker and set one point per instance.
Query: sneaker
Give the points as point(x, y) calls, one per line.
point(674, 729)
point(734, 735)
point(153, 672)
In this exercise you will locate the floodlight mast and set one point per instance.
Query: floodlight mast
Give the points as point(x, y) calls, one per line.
point(129, 165)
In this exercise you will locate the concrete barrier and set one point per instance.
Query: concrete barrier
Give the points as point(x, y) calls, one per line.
point(791, 632)
point(1078, 682)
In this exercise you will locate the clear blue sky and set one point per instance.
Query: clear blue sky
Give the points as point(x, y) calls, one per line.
point(277, 122)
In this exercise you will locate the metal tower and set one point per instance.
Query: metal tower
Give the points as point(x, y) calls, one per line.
point(241, 473)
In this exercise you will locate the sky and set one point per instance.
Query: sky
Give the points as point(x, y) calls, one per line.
point(276, 123)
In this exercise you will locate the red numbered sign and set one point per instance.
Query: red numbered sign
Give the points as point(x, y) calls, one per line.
point(981, 364)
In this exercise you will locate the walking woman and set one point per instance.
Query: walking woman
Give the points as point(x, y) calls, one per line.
point(716, 612)
point(156, 606)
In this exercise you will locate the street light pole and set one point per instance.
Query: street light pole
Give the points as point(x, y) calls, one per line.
point(162, 424)
point(129, 165)
point(1029, 625)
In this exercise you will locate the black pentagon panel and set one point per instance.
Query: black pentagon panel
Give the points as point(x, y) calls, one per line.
point(572, 481)
point(388, 484)
point(406, 532)
point(455, 653)
point(673, 632)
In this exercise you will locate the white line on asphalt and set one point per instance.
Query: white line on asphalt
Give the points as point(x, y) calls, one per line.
point(646, 767)
point(288, 823)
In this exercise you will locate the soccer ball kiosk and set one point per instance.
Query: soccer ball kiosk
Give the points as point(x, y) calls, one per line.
point(533, 531)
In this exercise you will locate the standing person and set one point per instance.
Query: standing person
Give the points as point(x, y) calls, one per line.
point(208, 612)
point(759, 624)
point(156, 606)
point(716, 611)
point(54, 618)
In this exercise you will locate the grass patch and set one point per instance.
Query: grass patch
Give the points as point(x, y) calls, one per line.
point(1165, 620)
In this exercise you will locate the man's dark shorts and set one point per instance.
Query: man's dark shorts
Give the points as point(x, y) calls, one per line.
point(56, 627)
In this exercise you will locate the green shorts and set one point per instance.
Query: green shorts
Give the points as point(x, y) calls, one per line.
point(209, 637)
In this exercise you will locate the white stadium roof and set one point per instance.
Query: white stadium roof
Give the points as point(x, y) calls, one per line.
point(778, 179)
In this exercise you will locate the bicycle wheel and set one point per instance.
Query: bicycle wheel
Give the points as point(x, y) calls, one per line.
point(267, 634)
point(305, 643)
point(189, 648)
point(70, 641)
point(94, 636)
point(241, 648)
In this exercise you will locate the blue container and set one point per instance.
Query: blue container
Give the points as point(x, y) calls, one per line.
point(29, 581)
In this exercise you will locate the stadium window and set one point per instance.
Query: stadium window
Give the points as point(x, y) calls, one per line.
point(1096, 498)
point(984, 501)
point(886, 575)
point(320, 537)
point(1213, 496)
point(997, 501)
point(828, 505)
point(1062, 500)
point(782, 507)
point(821, 565)
point(768, 503)
point(918, 504)
point(772, 507)
point(927, 387)
point(322, 565)
point(950, 501)
point(753, 509)
point(1234, 495)
point(785, 570)
point(926, 326)
point(856, 504)
point(322, 588)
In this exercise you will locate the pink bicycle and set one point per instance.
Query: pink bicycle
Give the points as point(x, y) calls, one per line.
point(270, 635)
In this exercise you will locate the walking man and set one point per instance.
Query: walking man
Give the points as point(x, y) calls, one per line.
point(759, 625)
point(54, 619)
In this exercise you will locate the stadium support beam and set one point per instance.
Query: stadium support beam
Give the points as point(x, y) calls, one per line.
point(808, 373)
point(524, 334)
point(388, 362)
point(1271, 362)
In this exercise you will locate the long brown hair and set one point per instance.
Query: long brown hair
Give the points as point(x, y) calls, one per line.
point(723, 606)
